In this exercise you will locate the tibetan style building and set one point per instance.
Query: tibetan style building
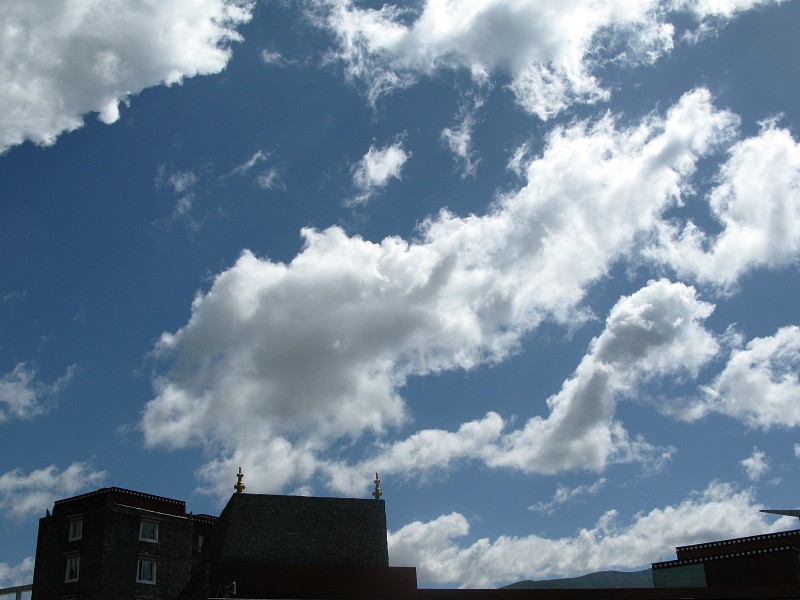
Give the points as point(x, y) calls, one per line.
point(114, 544)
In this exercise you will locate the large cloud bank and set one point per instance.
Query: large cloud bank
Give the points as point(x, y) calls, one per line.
point(278, 361)
point(61, 60)
point(719, 511)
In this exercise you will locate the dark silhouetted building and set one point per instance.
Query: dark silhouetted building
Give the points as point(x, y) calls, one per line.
point(117, 543)
point(771, 559)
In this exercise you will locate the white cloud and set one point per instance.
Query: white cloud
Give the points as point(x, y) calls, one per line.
point(19, 574)
point(719, 512)
point(257, 158)
point(270, 179)
point(459, 141)
point(24, 495)
point(759, 385)
point(459, 137)
point(717, 8)
point(182, 181)
point(63, 60)
point(22, 396)
point(276, 59)
point(757, 204)
point(566, 494)
point(299, 355)
point(655, 332)
point(422, 452)
point(797, 450)
point(375, 169)
point(549, 51)
point(755, 465)
point(267, 179)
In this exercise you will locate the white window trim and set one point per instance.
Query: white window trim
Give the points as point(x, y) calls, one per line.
point(142, 537)
point(139, 571)
point(75, 529)
point(76, 562)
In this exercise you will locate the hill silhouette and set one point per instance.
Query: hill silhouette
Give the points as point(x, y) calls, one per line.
point(601, 579)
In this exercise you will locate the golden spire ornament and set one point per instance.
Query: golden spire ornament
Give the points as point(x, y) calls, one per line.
point(377, 493)
point(239, 487)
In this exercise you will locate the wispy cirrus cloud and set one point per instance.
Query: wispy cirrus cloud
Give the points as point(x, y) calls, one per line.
point(566, 494)
point(24, 396)
point(268, 178)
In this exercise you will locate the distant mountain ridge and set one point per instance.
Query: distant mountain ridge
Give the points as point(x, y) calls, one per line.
point(601, 579)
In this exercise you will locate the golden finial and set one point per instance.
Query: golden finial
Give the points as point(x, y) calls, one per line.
point(239, 487)
point(377, 493)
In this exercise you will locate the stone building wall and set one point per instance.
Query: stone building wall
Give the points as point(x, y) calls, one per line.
point(109, 549)
point(298, 530)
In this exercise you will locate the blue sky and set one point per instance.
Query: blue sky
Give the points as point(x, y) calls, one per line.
point(534, 262)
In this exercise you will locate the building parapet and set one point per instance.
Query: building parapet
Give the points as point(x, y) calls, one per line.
point(711, 557)
point(741, 540)
point(122, 495)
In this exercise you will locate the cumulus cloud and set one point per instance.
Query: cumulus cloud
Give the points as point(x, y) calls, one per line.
point(61, 61)
point(375, 169)
point(23, 495)
point(757, 205)
point(718, 512)
point(655, 332)
point(758, 386)
point(755, 465)
point(19, 574)
point(22, 396)
point(294, 356)
point(549, 52)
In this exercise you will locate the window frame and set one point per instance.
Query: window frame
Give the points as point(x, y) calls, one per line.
point(73, 566)
point(75, 529)
point(140, 574)
point(147, 523)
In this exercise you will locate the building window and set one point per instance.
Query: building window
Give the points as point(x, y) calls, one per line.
point(75, 529)
point(148, 531)
point(73, 569)
point(200, 540)
point(146, 571)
